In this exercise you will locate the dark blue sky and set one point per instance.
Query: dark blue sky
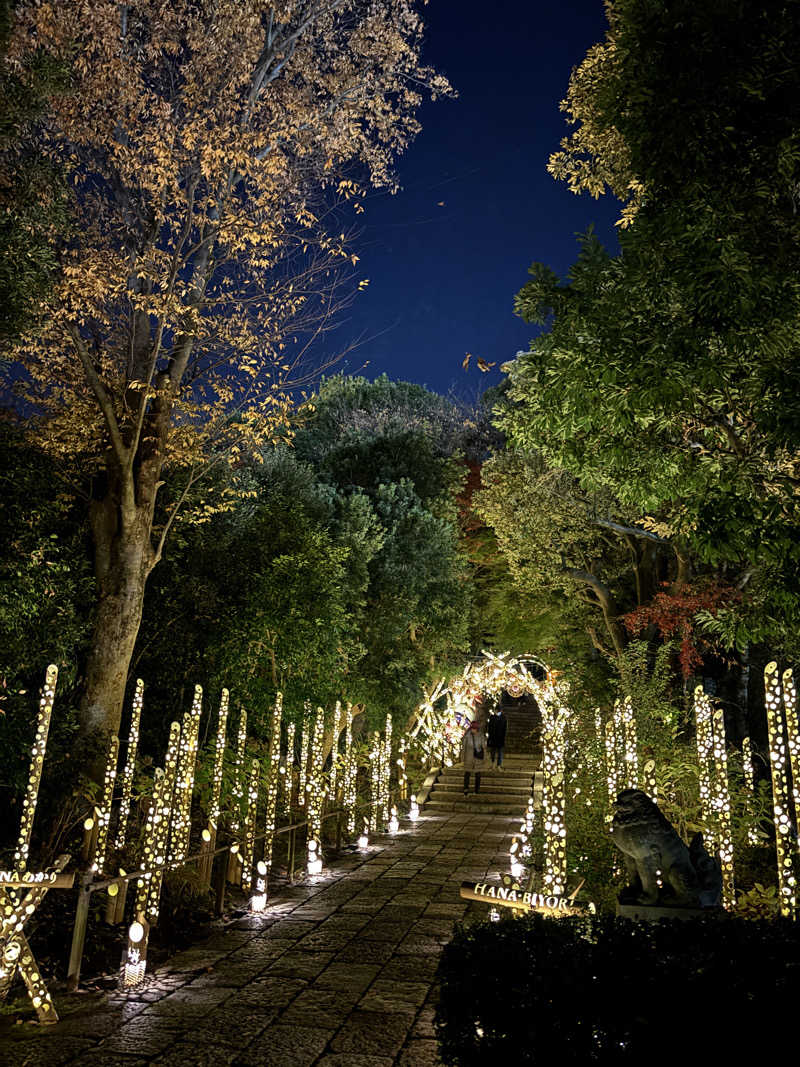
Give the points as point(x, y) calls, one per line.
point(443, 279)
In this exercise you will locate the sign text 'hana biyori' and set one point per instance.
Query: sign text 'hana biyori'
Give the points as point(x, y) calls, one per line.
point(515, 897)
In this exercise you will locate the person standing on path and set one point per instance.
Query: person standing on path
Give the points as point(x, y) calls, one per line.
point(473, 755)
point(496, 733)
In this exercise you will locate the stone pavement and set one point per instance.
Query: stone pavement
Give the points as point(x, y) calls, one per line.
point(338, 972)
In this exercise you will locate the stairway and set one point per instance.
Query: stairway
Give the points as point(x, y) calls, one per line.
point(503, 792)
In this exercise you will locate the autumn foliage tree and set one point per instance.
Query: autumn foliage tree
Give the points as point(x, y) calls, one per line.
point(212, 147)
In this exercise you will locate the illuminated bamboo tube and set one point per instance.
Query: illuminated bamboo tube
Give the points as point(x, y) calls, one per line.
point(249, 844)
point(315, 782)
point(288, 778)
point(374, 781)
point(302, 781)
point(778, 751)
point(631, 745)
point(748, 771)
point(705, 745)
point(184, 781)
point(103, 812)
point(162, 833)
point(721, 800)
point(134, 959)
point(219, 757)
point(274, 777)
point(386, 771)
point(350, 773)
point(130, 766)
point(337, 729)
point(147, 862)
point(649, 784)
point(237, 797)
point(35, 774)
point(792, 738)
point(402, 777)
point(612, 775)
point(553, 801)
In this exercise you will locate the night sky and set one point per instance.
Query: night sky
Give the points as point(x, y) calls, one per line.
point(443, 279)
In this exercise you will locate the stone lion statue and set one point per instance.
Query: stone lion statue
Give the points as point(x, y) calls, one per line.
point(654, 852)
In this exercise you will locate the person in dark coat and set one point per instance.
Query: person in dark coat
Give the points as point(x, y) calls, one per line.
point(496, 733)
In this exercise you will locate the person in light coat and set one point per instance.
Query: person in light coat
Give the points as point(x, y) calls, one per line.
point(473, 754)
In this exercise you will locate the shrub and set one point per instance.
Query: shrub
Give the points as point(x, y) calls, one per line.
point(604, 990)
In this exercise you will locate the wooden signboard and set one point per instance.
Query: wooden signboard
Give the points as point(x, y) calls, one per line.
point(513, 896)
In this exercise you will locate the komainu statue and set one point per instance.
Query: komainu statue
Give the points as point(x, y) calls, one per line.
point(661, 868)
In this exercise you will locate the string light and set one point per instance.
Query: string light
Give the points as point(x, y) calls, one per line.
point(554, 716)
point(748, 771)
point(375, 792)
point(386, 771)
point(237, 799)
point(631, 763)
point(784, 845)
point(130, 765)
point(288, 783)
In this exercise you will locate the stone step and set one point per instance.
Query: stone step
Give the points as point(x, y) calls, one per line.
point(473, 806)
point(508, 778)
point(455, 790)
point(517, 802)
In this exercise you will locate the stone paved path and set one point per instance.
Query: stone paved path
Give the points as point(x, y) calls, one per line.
point(339, 972)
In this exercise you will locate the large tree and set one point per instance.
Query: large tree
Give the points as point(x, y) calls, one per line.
point(668, 375)
point(196, 138)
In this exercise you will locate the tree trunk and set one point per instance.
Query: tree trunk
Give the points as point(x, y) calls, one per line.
point(123, 560)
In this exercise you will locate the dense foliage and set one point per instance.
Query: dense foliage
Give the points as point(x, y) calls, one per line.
point(591, 990)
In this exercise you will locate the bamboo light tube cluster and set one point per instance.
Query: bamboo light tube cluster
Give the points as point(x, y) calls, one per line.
point(781, 802)
point(350, 772)
point(274, 778)
point(102, 812)
point(184, 781)
point(130, 766)
point(35, 774)
point(249, 841)
point(302, 779)
point(386, 772)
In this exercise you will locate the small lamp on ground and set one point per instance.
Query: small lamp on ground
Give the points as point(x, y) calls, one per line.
point(394, 822)
point(363, 841)
point(258, 901)
point(134, 960)
point(413, 812)
point(314, 857)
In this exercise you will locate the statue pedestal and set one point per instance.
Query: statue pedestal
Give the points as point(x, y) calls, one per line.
point(654, 912)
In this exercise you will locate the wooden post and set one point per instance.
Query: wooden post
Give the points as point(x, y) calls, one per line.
point(79, 932)
point(220, 883)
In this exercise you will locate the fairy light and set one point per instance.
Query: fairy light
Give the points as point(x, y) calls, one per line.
point(147, 862)
point(184, 781)
point(386, 771)
point(784, 845)
point(273, 780)
point(314, 785)
point(612, 779)
point(103, 812)
point(130, 765)
point(350, 772)
point(249, 845)
point(237, 798)
point(35, 773)
point(304, 745)
point(705, 744)
point(748, 770)
point(721, 802)
point(162, 826)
